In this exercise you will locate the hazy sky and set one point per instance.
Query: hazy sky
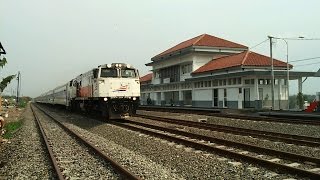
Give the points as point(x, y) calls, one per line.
point(52, 41)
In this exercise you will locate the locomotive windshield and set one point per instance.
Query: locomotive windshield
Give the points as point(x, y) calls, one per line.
point(107, 72)
point(128, 73)
point(118, 72)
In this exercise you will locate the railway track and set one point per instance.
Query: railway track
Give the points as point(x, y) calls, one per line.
point(288, 138)
point(75, 160)
point(272, 159)
point(219, 113)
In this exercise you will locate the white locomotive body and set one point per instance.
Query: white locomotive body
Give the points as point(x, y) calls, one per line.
point(111, 89)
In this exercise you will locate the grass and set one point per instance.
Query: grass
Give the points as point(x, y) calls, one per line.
point(11, 128)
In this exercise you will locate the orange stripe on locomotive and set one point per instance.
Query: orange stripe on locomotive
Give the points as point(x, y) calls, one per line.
point(85, 91)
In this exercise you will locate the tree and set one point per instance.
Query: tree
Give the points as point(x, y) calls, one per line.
point(3, 61)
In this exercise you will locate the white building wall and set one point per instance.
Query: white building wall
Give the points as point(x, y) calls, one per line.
point(200, 60)
point(183, 77)
point(173, 61)
point(155, 80)
point(233, 94)
point(202, 95)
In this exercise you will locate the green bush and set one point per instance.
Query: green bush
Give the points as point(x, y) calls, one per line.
point(11, 127)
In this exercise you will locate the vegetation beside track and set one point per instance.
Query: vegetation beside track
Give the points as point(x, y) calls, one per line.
point(12, 127)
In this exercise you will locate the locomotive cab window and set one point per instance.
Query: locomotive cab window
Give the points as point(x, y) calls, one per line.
point(106, 72)
point(128, 73)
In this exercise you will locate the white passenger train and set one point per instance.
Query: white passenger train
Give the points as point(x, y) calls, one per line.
point(111, 89)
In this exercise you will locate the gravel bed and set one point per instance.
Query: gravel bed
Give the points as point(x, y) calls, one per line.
point(136, 163)
point(295, 129)
point(26, 157)
point(178, 159)
point(75, 159)
point(281, 146)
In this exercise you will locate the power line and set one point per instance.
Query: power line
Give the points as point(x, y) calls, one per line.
point(302, 39)
point(259, 44)
point(306, 59)
point(307, 64)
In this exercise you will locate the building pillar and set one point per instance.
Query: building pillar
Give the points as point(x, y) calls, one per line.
point(279, 92)
point(163, 100)
point(181, 98)
point(300, 85)
point(256, 88)
point(258, 102)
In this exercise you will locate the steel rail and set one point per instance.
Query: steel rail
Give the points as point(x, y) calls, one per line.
point(48, 147)
point(264, 163)
point(257, 149)
point(219, 113)
point(289, 138)
point(119, 168)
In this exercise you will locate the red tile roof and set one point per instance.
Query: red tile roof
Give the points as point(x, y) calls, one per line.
point(146, 78)
point(203, 40)
point(246, 58)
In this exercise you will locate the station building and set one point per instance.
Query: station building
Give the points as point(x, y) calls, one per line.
point(207, 71)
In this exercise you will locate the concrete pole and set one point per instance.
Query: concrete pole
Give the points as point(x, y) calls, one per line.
point(272, 73)
point(288, 78)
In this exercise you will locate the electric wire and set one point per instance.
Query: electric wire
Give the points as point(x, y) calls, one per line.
point(307, 59)
point(258, 44)
point(306, 64)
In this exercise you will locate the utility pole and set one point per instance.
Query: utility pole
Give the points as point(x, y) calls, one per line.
point(18, 86)
point(272, 73)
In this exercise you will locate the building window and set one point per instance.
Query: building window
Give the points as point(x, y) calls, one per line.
point(186, 68)
point(234, 81)
point(239, 81)
point(249, 81)
point(215, 83)
point(261, 81)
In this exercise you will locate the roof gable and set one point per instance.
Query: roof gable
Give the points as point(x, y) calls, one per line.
point(202, 40)
point(246, 58)
point(146, 78)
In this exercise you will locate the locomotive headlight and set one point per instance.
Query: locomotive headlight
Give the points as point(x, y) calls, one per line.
point(109, 65)
point(134, 98)
point(105, 99)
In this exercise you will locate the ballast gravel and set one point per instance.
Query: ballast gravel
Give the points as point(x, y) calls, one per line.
point(295, 129)
point(25, 157)
point(76, 160)
point(184, 162)
point(147, 156)
point(281, 146)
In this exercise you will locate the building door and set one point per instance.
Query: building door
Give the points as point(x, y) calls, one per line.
point(215, 97)
point(246, 98)
point(261, 94)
